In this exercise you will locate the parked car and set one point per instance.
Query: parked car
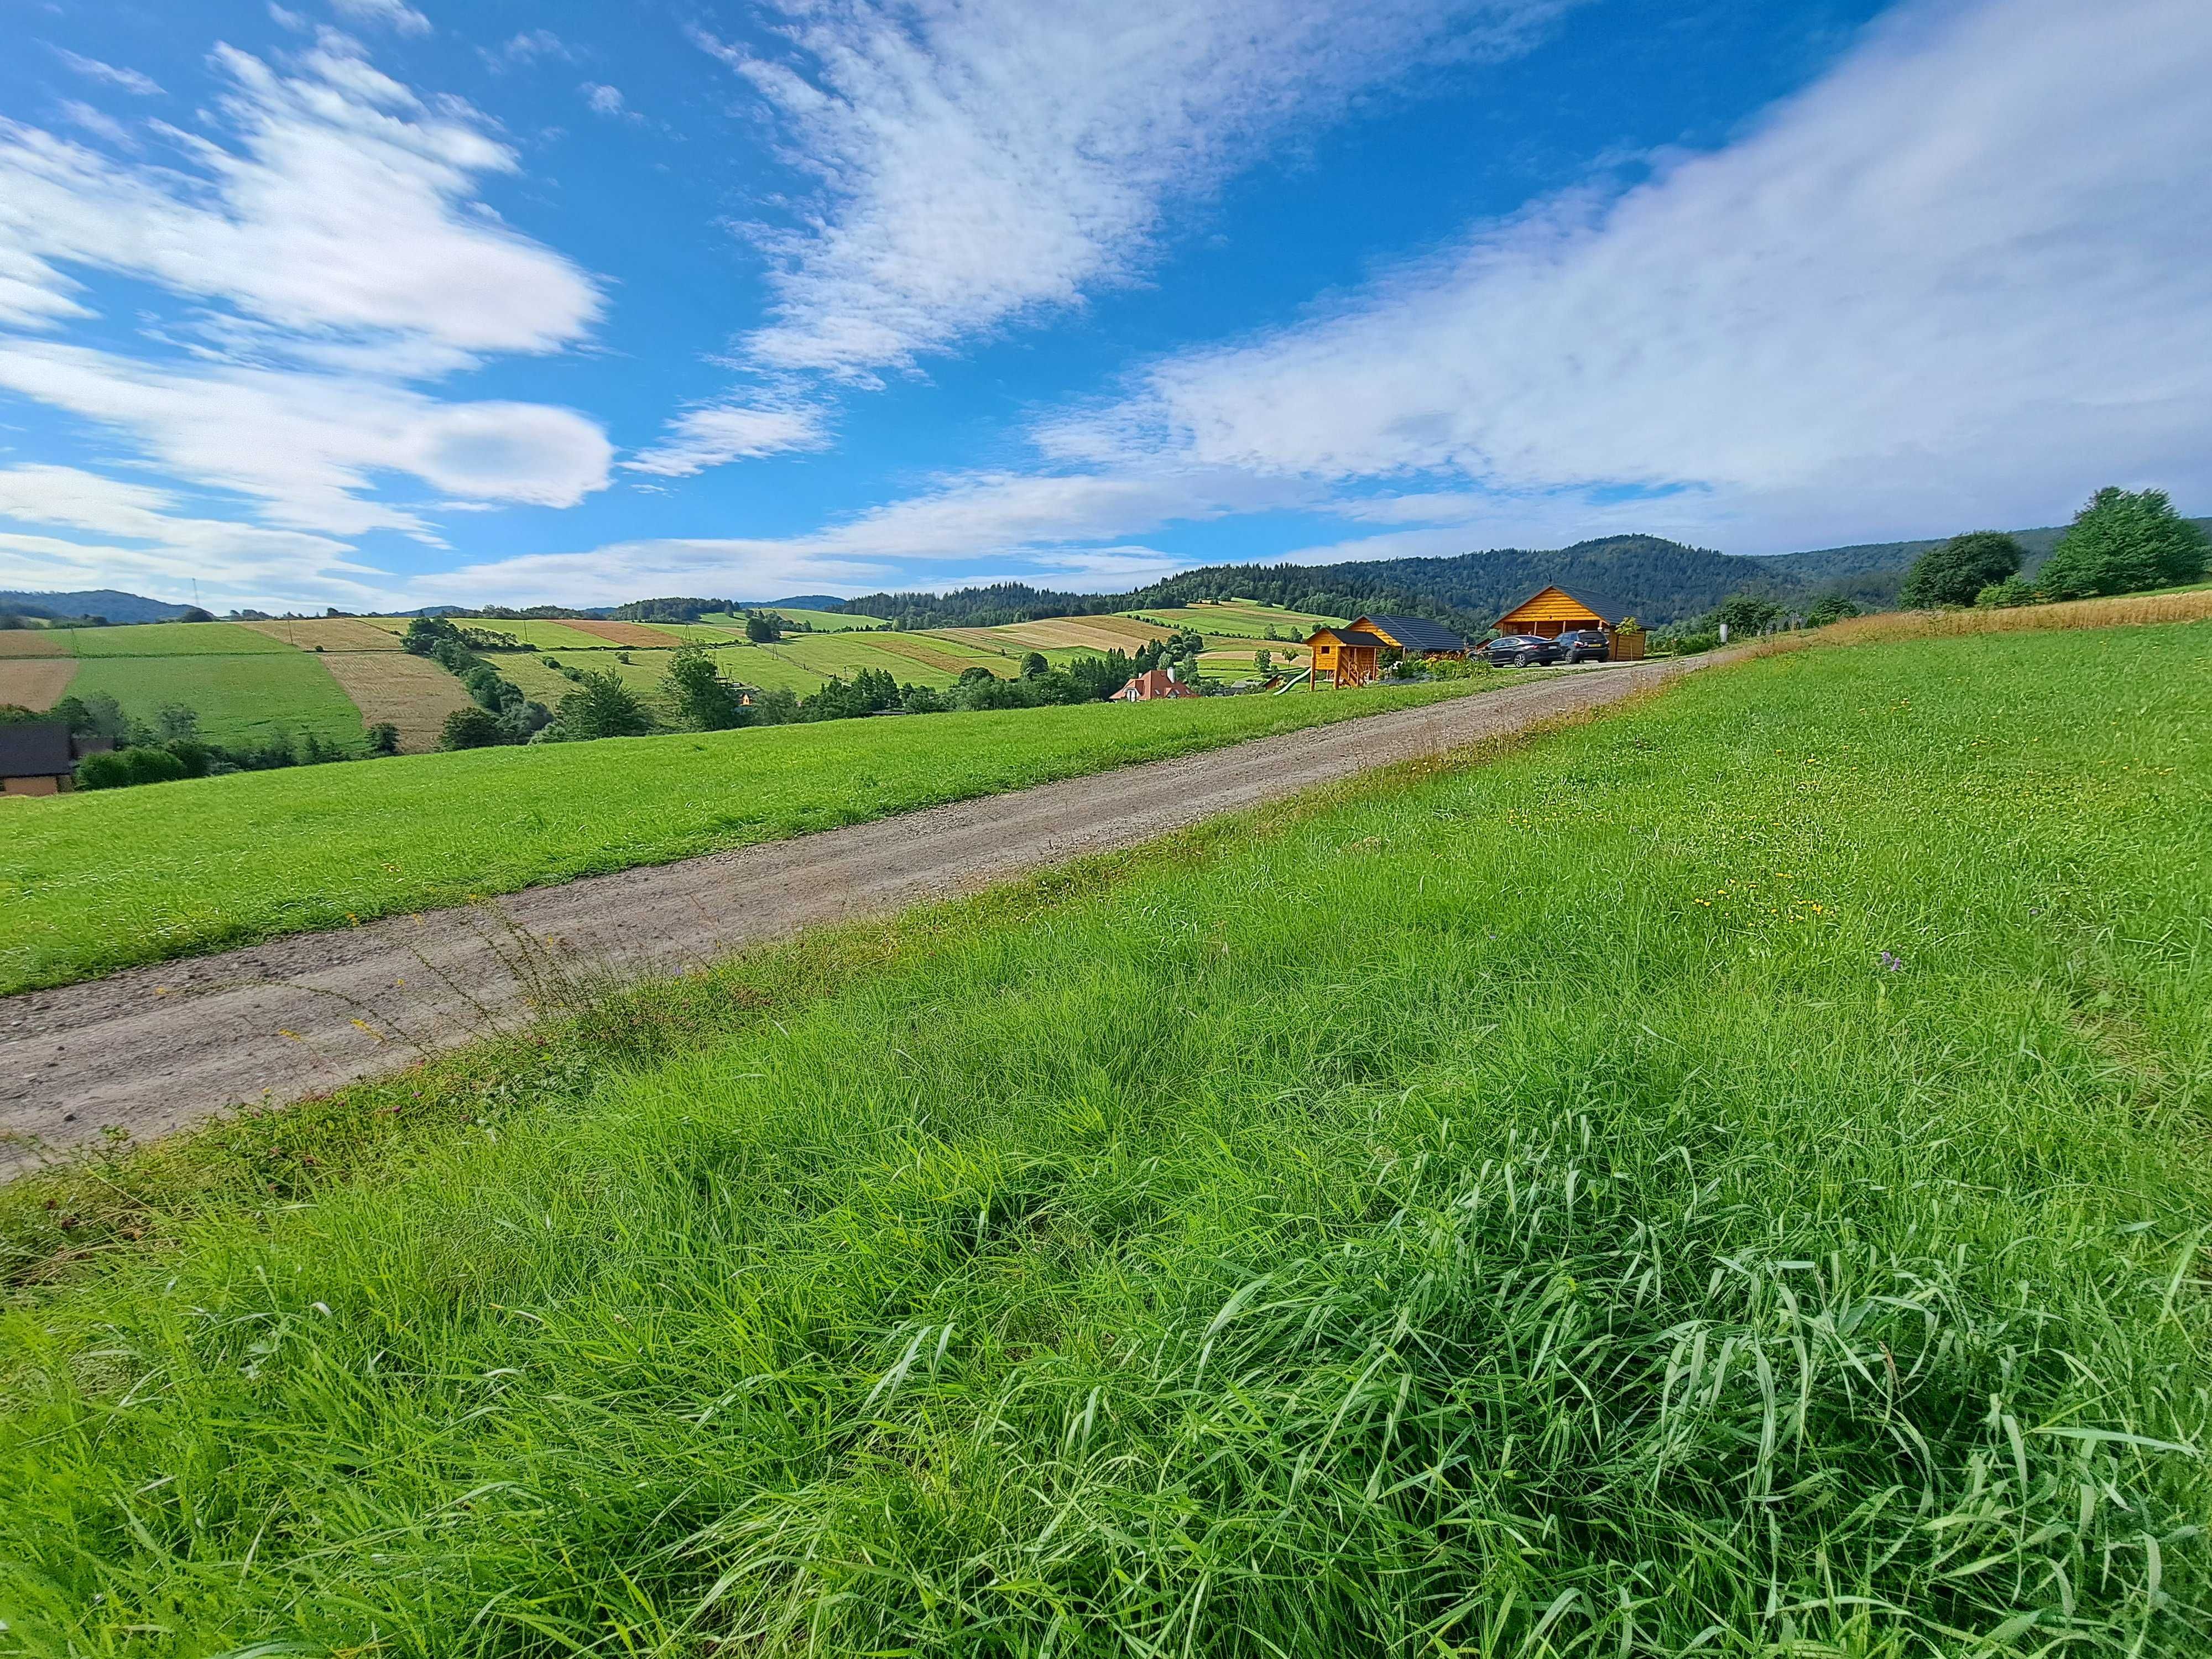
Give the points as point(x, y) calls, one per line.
point(1586, 645)
point(1523, 651)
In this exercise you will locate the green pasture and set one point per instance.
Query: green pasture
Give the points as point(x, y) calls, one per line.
point(1784, 1238)
point(545, 632)
point(826, 621)
point(699, 633)
point(767, 667)
point(96, 881)
point(241, 700)
point(171, 640)
point(846, 654)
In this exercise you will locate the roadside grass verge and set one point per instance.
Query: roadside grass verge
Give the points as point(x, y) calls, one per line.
point(101, 880)
point(1727, 1176)
point(2181, 604)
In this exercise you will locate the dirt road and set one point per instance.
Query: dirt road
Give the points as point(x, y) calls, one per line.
point(153, 1050)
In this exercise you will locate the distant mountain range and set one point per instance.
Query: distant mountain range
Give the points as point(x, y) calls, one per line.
point(1657, 581)
point(108, 602)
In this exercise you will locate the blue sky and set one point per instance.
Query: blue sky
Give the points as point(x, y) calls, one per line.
point(373, 303)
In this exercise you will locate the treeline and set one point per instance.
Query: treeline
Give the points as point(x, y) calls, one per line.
point(2122, 542)
point(1660, 580)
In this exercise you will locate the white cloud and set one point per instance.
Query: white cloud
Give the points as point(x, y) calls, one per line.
point(346, 210)
point(113, 532)
point(396, 14)
point(978, 163)
point(1960, 280)
point(604, 100)
point(98, 122)
point(335, 254)
point(129, 80)
point(529, 47)
point(723, 432)
point(311, 447)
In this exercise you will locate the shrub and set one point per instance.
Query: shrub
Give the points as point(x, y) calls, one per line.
point(2124, 542)
point(2007, 595)
point(472, 727)
point(384, 739)
point(763, 629)
point(121, 768)
point(702, 697)
point(1956, 573)
point(1829, 608)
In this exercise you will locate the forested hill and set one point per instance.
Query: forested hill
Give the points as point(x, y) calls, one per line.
point(1659, 582)
point(115, 606)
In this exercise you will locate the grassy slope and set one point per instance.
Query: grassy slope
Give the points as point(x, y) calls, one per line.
point(97, 881)
point(240, 699)
point(171, 640)
point(1104, 1274)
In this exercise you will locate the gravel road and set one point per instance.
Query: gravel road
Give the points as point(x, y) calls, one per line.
point(154, 1049)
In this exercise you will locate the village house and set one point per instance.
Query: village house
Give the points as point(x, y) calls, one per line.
point(40, 757)
point(1152, 686)
point(1352, 654)
point(1552, 610)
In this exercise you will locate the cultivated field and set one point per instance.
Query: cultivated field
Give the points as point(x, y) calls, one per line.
point(100, 880)
point(35, 682)
point(326, 634)
point(411, 693)
point(241, 699)
point(1241, 619)
point(33, 642)
point(1732, 1182)
point(831, 622)
point(168, 640)
point(1097, 635)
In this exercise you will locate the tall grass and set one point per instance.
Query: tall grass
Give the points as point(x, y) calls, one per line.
point(2124, 610)
point(1728, 1178)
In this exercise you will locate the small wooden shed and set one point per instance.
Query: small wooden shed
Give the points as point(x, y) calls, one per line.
point(1552, 610)
point(38, 758)
point(1349, 656)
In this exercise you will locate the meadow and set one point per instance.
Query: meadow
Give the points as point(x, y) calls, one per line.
point(1732, 1182)
point(242, 699)
point(97, 881)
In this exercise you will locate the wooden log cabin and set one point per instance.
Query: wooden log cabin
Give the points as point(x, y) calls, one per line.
point(1553, 610)
point(1352, 654)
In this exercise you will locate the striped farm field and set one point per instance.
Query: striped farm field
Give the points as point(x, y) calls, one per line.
point(35, 682)
point(847, 655)
point(391, 686)
point(1098, 634)
point(822, 621)
point(213, 639)
point(1240, 618)
point(33, 642)
point(329, 634)
point(542, 632)
point(766, 667)
point(933, 652)
point(647, 636)
point(696, 633)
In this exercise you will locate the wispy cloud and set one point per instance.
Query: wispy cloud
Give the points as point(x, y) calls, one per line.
point(603, 99)
point(979, 163)
point(720, 433)
point(530, 46)
point(395, 15)
point(143, 86)
point(112, 532)
point(1960, 280)
point(334, 252)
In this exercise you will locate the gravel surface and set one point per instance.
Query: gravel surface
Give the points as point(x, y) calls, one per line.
point(154, 1049)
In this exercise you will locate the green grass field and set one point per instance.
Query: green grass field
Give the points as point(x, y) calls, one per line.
point(831, 622)
point(170, 639)
point(97, 881)
point(1732, 1182)
point(240, 699)
point(1239, 619)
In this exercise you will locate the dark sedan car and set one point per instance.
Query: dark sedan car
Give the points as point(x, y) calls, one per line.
point(1586, 645)
point(1523, 651)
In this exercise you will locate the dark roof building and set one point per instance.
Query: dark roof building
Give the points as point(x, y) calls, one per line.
point(1413, 634)
point(37, 757)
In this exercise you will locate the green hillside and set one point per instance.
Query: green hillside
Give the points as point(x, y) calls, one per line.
point(1783, 1237)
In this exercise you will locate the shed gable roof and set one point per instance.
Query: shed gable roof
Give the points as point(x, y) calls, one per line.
point(1359, 638)
point(37, 749)
point(1606, 611)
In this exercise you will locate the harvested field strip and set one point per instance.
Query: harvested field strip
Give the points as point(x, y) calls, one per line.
point(930, 655)
point(696, 633)
point(33, 642)
point(1768, 1250)
point(527, 672)
point(542, 632)
point(642, 634)
point(329, 634)
point(171, 640)
point(411, 693)
point(178, 869)
point(35, 682)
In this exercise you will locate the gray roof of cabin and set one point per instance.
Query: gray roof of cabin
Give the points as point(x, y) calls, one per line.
point(1419, 633)
point(36, 749)
point(1359, 636)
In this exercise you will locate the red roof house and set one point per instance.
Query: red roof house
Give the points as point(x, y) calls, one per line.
point(1153, 683)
